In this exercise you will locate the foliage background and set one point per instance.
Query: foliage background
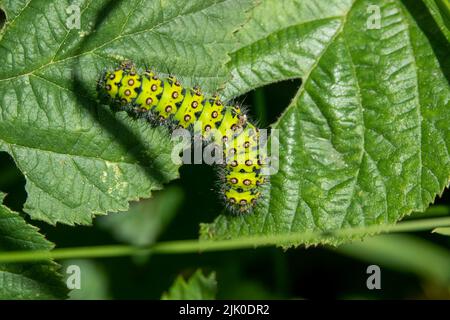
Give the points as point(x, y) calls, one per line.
point(175, 212)
point(245, 274)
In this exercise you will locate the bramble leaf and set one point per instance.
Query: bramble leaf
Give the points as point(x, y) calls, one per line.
point(197, 287)
point(39, 280)
point(366, 139)
point(80, 160)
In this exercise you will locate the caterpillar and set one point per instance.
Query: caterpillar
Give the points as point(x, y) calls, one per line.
point(165, 100)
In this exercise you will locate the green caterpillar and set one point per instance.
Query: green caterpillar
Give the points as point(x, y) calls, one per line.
point(167, 101)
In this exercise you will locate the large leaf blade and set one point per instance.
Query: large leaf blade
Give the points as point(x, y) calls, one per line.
point(78, 159)
point(365, 141)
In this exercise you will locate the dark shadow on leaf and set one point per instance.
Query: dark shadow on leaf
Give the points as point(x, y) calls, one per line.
point(121, 133)
point(429, 27)
point(2, 18)
point(103, 13)
point(129, 140)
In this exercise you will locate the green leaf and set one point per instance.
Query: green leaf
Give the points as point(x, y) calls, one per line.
point(80, 160)
point(145, 220)
point(283, 40)
point(197, 287)
point(444, 231)
point(365, 141)
point(440, 10)
point(39, 280)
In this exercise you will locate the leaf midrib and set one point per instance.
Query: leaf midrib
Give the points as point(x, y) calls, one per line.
point(417, 100)
point(300, 93)
point(305, 78)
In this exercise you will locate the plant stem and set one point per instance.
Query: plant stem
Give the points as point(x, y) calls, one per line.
point(195, 246)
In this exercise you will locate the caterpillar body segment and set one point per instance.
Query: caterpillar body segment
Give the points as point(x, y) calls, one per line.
point(167, 101)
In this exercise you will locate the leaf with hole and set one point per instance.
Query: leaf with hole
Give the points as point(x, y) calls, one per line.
point(366, 139)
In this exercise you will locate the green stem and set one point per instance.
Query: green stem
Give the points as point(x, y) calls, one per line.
point(195, 246)
point(433, 211)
